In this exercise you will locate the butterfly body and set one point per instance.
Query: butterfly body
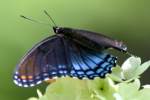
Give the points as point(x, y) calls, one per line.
point(71, 52)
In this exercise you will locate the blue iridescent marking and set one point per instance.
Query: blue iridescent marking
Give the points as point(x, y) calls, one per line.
point(53, 73)
point(100, 70)
point(82, 64)
point(108, 67)
point(79, 61)
point(90, 63)
point(89, 72)
point(76, 65)
point(93, 58)
point(110, 59)
point(103, 65)
point(61, 66)
point(102, 74)
point(61, 71)
point(80, 72)
point(72, 72)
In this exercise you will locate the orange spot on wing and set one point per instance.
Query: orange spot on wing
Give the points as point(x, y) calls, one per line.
point(23, 77)
point(30, 77)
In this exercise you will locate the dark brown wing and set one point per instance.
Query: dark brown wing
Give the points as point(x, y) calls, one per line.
point(57, 56)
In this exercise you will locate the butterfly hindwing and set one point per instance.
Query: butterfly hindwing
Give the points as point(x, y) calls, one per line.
point(88, 63)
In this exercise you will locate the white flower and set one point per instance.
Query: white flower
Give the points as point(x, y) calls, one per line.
point(132, 68)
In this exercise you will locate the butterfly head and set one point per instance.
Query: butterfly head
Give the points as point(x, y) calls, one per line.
point(62, 30)
point(58, 30)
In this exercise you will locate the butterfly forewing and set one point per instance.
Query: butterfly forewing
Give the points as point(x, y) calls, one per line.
point(44, 61)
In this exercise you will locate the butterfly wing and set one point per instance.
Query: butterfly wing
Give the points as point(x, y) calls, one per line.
point(87, 63)
point(45, 61)
point(56, 57)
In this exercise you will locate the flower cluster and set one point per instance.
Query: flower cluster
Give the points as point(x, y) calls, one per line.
point(122, 84)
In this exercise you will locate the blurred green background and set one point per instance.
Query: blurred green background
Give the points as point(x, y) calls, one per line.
point(126, 20)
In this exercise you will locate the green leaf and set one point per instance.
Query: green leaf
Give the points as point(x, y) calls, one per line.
point(75, 89)
point(68, 89)
point(102, 88)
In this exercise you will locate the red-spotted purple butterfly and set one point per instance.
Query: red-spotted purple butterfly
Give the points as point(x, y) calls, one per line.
point(70, 52)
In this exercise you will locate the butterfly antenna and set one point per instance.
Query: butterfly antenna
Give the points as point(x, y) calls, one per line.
point(30, 19)
point(50, 17)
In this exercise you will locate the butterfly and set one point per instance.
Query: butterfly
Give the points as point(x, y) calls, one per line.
point(70, 52)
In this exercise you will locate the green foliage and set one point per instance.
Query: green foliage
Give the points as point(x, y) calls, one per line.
point(122, 84)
